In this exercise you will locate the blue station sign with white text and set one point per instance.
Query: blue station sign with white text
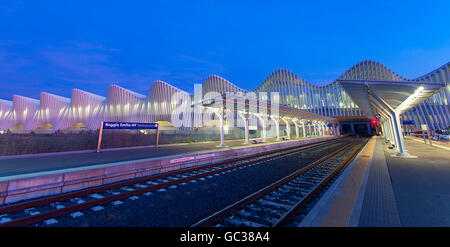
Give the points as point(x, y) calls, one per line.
point(408, 122)
point(128, 125)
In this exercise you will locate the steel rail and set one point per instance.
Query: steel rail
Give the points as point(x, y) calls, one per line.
point(221, 214)
point(28, 220)
point(55, 198)
point(300, 204)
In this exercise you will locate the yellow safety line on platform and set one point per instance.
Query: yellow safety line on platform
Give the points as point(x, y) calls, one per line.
point(341, 211)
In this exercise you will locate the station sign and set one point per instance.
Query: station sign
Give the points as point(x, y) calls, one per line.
point(128, 125)
point(408, 122)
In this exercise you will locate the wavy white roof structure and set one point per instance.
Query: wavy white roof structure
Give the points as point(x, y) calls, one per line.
point(85, 110)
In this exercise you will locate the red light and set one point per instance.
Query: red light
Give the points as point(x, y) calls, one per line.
point(374, 122)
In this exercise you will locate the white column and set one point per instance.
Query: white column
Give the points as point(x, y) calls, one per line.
point(245, 119)
point(309, 130)
point(264, 131)
point(288, 128)
point(220, 114)
point(277, 126)
point(263, 123)
point(246, 141)
point(303, 128)
point(398, 133)
point(392, 129)
point(222, 143)
point(297, 134)
point(388, 130)
point(316, 131)
point(336, 129)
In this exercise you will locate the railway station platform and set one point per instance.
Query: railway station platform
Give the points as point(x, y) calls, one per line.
point(379, 189)
point(32, 163)
point(30, 176)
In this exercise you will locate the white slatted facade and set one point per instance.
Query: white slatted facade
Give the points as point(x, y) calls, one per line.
point(6, 114)
point(88, 110)
point(330, 100)
point(435, 110)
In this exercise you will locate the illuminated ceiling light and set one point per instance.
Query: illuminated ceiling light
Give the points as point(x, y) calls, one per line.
point(407, 103)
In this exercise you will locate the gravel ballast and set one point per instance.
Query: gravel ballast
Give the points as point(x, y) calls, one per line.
point(188, 203)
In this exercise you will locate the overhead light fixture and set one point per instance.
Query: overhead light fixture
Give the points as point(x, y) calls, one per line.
point(407, 103)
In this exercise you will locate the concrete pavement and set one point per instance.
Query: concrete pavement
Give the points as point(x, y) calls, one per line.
point(379, 190)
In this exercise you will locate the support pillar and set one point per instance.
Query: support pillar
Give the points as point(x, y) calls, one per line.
point(303, 128)
point(288, 128)
point(297, 134)
point(337, 129)
point(221, 114)
point(263, 124)
point(246, 141)
point(246, 130)
point(399, 136)
point(277, 126)
point(392, 129)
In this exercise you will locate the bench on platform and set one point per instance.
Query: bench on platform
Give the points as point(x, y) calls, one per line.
point(257, 140)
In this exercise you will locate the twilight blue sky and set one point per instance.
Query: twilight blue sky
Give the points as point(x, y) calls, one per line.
point(54, 45)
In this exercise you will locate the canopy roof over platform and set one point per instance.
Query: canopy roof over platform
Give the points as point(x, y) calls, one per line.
point(385, 96)
point(262, 108)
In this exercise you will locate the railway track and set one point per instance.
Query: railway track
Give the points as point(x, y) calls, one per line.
point(49, 208)
point(282, 203)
